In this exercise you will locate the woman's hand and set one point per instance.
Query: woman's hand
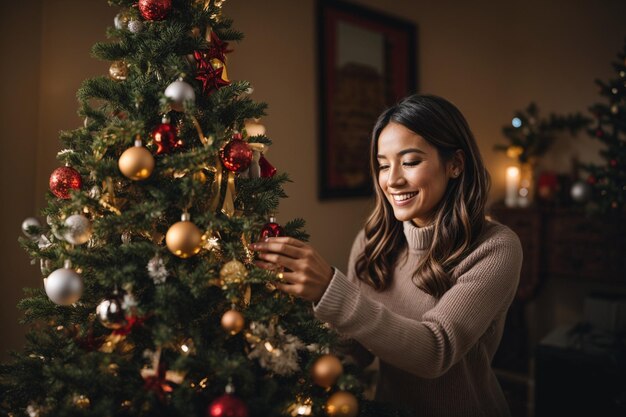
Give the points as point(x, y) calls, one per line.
point(307, 275)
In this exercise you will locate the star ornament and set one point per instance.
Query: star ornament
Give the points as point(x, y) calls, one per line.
point(218, 48)
point(210, 72)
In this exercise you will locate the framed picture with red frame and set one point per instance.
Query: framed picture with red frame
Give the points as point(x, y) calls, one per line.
point(366, 63)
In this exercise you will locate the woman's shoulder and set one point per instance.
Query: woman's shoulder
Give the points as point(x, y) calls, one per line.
point(495, 231)
point(497, 238)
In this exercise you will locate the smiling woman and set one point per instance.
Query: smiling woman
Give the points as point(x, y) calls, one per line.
point(429, 280)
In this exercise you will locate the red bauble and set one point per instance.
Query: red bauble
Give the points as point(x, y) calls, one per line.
point(613, 163)
point(267, 170)
point(271, 229)
point(64, 179)
point(591, 180)
point(599, 132)
point(164, 135)
point(228, 406)
point(155, 9)
point(236, 155)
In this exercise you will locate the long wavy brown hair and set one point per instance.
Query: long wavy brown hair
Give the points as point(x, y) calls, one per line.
point(459, 218)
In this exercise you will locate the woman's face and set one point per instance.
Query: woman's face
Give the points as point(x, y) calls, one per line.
point(411, 174)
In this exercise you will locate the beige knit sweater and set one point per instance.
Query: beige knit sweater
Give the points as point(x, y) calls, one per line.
point(435, 355)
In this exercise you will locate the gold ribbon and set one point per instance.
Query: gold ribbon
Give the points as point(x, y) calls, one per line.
point(228, 202)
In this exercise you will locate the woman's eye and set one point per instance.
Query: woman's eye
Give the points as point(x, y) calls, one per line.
point(383, 167)
point(411, 163)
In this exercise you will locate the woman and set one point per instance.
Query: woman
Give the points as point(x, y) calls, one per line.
point(429, 279)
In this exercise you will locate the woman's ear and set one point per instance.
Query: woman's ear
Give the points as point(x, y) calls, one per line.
point(456, 165)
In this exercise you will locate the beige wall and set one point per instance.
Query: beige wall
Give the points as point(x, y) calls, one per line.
point(490, 58)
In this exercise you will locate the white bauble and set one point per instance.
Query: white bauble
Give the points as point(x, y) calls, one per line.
point(30, 222)
point(64, 286)
point(580, 192)
point(78, 229)
point(179, 92)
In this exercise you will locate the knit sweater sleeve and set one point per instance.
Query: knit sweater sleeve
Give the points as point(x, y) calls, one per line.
point(486, 281)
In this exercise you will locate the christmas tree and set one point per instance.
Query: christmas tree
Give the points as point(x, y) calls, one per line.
point(151, 303)
point(608, 180)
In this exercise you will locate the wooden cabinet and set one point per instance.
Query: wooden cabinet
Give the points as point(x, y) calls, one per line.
point(566, 243)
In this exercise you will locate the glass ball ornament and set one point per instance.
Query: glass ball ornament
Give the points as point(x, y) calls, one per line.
point(342, 404)
point(179, 92)
point(183, 238)
point(136, 162)
point(28, 224)
point(121, 20)
point(233, 322)
point(64, 286)
point(233, 272)
point(64, 179)
point(236, 156)
point(135, 26)
point(581, 192)
point(228, 405)
point(271, 229)
point(164, 135)
point(154, 9)
point(326, 370)
point(110, 312)
point(78, 229)
point(118, 70)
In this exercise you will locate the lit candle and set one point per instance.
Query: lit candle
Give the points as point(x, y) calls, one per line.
point(512, 184)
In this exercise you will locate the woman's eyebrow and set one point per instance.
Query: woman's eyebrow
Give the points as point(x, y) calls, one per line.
point(403, 152)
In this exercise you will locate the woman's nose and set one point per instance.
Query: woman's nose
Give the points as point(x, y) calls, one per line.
point(396, 177)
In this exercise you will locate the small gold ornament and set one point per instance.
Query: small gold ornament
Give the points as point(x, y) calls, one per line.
point(81, 401)
point(184, 239)
point(118, 70)
point(233, 322)
point(137, 162)
point(233, 272)
point(342, 404)
point(326, 370)
point(199, 176)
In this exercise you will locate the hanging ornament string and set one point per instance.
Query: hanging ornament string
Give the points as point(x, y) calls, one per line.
point(206, 141)
point(109, 197)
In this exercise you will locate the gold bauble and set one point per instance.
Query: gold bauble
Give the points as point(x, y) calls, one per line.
point(118, 70)
point(184, 239)
point(233, 322)
point(136, 163)
point(199, 176)
point(342, 404)
point(233, 272)
point(326, 370)
point(217, 64)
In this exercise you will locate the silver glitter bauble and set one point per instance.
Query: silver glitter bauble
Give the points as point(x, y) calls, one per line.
point(27, 224)
point(580, 192)
point(135, 26)
point(110, 313)
point(64, 286)
point(78, 229)
point(179, 92)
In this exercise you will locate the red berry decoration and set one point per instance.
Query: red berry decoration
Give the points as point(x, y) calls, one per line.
point(155, 9)
point(271, 229)
point(236, 155)
point(591, 180)
point(164, 135)
point(64, 179)
point(228, 406)
point(613, 162)
point(267, 170)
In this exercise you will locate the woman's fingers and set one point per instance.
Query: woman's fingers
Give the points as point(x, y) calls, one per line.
point(281, 260)
point(283, 248)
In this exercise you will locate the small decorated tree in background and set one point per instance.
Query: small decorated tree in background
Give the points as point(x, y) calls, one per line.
point(608, 179)
point(530, 136)
point(151, 303)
